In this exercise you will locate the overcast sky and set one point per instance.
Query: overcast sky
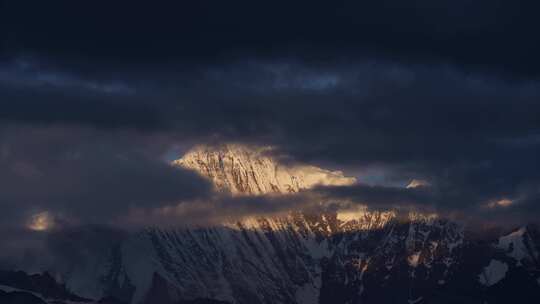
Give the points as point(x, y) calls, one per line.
point(97, 96)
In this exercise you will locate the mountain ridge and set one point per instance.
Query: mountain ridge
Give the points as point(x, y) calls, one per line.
point(245, 170)
point(308, 257)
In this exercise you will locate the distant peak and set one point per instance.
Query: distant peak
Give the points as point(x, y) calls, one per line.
point(249, 170)
point(415, 183)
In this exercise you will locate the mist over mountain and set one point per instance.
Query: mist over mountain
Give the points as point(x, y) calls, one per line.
point(269, 152)
point(324, 255)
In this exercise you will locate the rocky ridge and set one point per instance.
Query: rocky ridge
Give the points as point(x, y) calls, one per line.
point(326, 256)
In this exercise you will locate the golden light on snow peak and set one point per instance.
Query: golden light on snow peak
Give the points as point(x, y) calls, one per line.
point(418, 183)
point(500, 203)
point(246, 170)
point(41, 222)
point(353, 213)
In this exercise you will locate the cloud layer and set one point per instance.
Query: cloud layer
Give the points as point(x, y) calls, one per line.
point(96, 100)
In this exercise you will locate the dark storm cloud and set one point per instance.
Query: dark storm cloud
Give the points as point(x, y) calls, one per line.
point(78, 176)
point(492, 35)
point(446, 92)
point(472, 135)
point(31, 93)
point(381, 197)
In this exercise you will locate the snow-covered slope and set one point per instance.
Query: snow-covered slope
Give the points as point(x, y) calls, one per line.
point(294, 259)
point(251, 171)
point(522, 246)
point(354, 256)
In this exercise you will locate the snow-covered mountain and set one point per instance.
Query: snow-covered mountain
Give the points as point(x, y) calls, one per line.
point(245, 170)
point(354, 256)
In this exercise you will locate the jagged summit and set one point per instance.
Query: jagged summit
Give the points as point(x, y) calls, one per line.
point(245, 170)
point(250, 170)
point(351, 255)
